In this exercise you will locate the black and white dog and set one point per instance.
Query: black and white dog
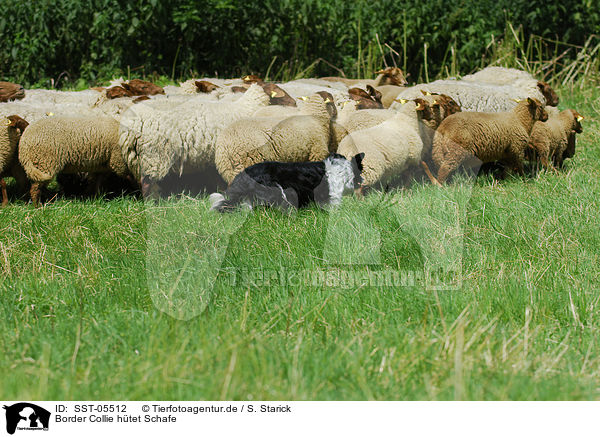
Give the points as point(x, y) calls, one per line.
point(292, 184)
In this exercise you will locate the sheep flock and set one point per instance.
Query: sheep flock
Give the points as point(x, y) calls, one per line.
point(149, 136)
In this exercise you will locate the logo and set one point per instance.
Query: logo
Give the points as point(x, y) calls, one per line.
point(26, 417)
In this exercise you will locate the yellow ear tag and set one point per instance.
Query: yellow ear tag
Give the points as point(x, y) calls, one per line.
point(516, 100)
point(420, 107)
point(303, 98)
point(49, 114)
point(327, 100)
point(273, 94)
point(402, 101)
point(580, 117)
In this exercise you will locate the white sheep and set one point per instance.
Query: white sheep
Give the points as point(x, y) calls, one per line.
point(165, 136)
point(400, 142)
point(515, 78)
point(41, 96)
point(302, 88)
point(308, 136)
point(70, 145)
point(34, 111)
point(474, 96)
point(352, 119)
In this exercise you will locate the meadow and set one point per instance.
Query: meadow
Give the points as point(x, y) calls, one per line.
point(81, 308)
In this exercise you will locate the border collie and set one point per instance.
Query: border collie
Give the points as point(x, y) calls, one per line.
point(292, 184)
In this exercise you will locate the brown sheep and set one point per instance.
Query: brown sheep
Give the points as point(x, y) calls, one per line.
point(488, 137)
point(11, 91)
point(370, 99)
point(252, 78)
point(117, 91)
point(11, 129)
point(138, 87)
point(549, 94)
point(277, 96)
point(205, 86)
point(555, 139)
point(387, 76)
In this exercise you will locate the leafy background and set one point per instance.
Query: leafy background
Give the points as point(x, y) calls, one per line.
point(61, 41)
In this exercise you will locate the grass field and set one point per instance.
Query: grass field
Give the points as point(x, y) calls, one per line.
point(81, 291)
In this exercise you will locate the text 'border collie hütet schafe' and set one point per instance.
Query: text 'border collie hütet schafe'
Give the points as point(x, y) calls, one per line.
point(292, 184)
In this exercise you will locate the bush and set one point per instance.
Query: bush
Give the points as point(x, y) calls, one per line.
point(95, 39)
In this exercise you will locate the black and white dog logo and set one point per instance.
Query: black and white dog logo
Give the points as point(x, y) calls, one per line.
point(26, 417)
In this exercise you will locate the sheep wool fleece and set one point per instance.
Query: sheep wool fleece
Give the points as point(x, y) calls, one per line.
point(71, 144)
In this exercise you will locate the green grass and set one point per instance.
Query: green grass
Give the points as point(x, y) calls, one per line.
point(82, 284)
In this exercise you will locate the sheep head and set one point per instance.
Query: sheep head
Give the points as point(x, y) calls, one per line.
point(205, 86)
point(392, 76)
point(548, 93)
point(252, 78)
point(366, 100)
point(11, 91)
point(447, 104)
point(330, 104)
point(577, 119)
point(117, 91)
point(536, 109)
point(138, 87)
point(277, 96)
point(18, 123)
point(374, 93)
point(423, 109)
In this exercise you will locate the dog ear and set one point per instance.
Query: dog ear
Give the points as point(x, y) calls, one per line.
point(358, 158)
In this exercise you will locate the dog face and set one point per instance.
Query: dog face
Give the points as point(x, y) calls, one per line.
point(343, 176)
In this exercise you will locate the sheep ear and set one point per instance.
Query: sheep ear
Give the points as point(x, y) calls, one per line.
point(420, 104)
point(530, 100)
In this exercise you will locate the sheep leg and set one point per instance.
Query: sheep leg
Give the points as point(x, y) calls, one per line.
point(433, 180)
point(34, 192)
point(4, 192)
point(98, 183)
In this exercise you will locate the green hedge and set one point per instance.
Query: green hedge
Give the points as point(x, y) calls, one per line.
point(92, 39)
